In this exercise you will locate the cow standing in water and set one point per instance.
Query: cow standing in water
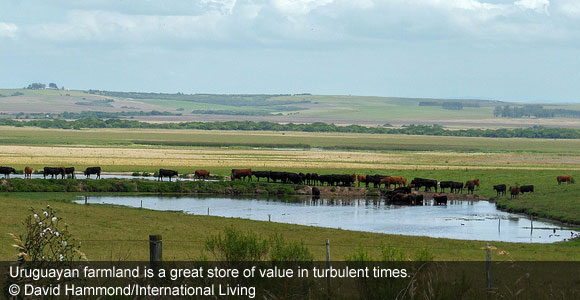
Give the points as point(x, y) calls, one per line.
point(28, 172)
point(166, 173)
point(6, 171)
point(93, 170)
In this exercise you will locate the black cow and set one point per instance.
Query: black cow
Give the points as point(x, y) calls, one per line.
point(70, 171)
point(293, 178)
point(526, 189)
point(166, 173)
point(457, 187)
point(313, 178)
point(93, 170)
point(470, 186)
point(422, 182)
point(53, 171)
point(444, 185)
point(374, 179)
point(403, 189)
point(407, 199)
point(500, 189)
point(6, 171)
point(315, 192)
point(261, 174)
point(440, 200)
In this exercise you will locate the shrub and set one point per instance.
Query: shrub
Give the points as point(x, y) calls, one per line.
point(424, 255)
point(280, 250)
point(46, 239)
point(237, 246)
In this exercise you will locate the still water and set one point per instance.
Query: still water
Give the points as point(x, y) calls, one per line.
point(467, 220)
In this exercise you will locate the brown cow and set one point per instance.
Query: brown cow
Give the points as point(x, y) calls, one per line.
point(394, 180)
point(203, 174)
point(28, 172)
point(241, 174)
point(514, 191)
point(361, 178)
point(475, 182)
point(564, 178)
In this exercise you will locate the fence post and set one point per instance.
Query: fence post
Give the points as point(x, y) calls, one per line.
point(86, 199)
point(155, 249)
point(328, 264)
point(488, 269)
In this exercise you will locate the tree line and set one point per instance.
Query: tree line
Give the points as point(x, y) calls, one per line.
point(434, 130)
point(534, 110)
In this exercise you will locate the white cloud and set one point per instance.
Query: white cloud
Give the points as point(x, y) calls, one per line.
point(8, 30)
point(299, 6)
point(570, 8)
point(292, 22)
point(537, 5)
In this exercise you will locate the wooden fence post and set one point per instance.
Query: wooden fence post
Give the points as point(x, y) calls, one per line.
point(488, 268)
point(155, 249)
point(328, 264)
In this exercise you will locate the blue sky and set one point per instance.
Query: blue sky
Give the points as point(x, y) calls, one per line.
point(495, 49)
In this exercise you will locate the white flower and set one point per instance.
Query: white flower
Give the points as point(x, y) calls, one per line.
point(45, 213)
point(64, 243)
point(42, 234)
point(36, 216)
point(61, 258)
point(54, 219)
point(40, 223)
point(56, 233)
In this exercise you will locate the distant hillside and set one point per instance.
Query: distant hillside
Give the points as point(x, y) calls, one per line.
point(280, 108)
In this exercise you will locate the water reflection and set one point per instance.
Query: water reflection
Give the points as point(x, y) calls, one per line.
point(460, 219)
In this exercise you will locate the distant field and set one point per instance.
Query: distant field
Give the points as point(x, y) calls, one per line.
point(362, 110)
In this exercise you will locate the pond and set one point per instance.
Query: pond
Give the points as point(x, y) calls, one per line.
point(466, 220)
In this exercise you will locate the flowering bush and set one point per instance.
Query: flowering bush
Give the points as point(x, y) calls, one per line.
point(46, 239)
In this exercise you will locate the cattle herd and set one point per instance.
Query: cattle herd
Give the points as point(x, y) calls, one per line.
point(398, 189)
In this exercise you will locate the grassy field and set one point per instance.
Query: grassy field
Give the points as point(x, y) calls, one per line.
point(309, 108)
point(219, 151)
point(119, 233)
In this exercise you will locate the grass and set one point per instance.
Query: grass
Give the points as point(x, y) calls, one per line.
point(120, 233)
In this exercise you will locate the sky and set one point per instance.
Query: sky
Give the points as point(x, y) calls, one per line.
point(513, 50)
